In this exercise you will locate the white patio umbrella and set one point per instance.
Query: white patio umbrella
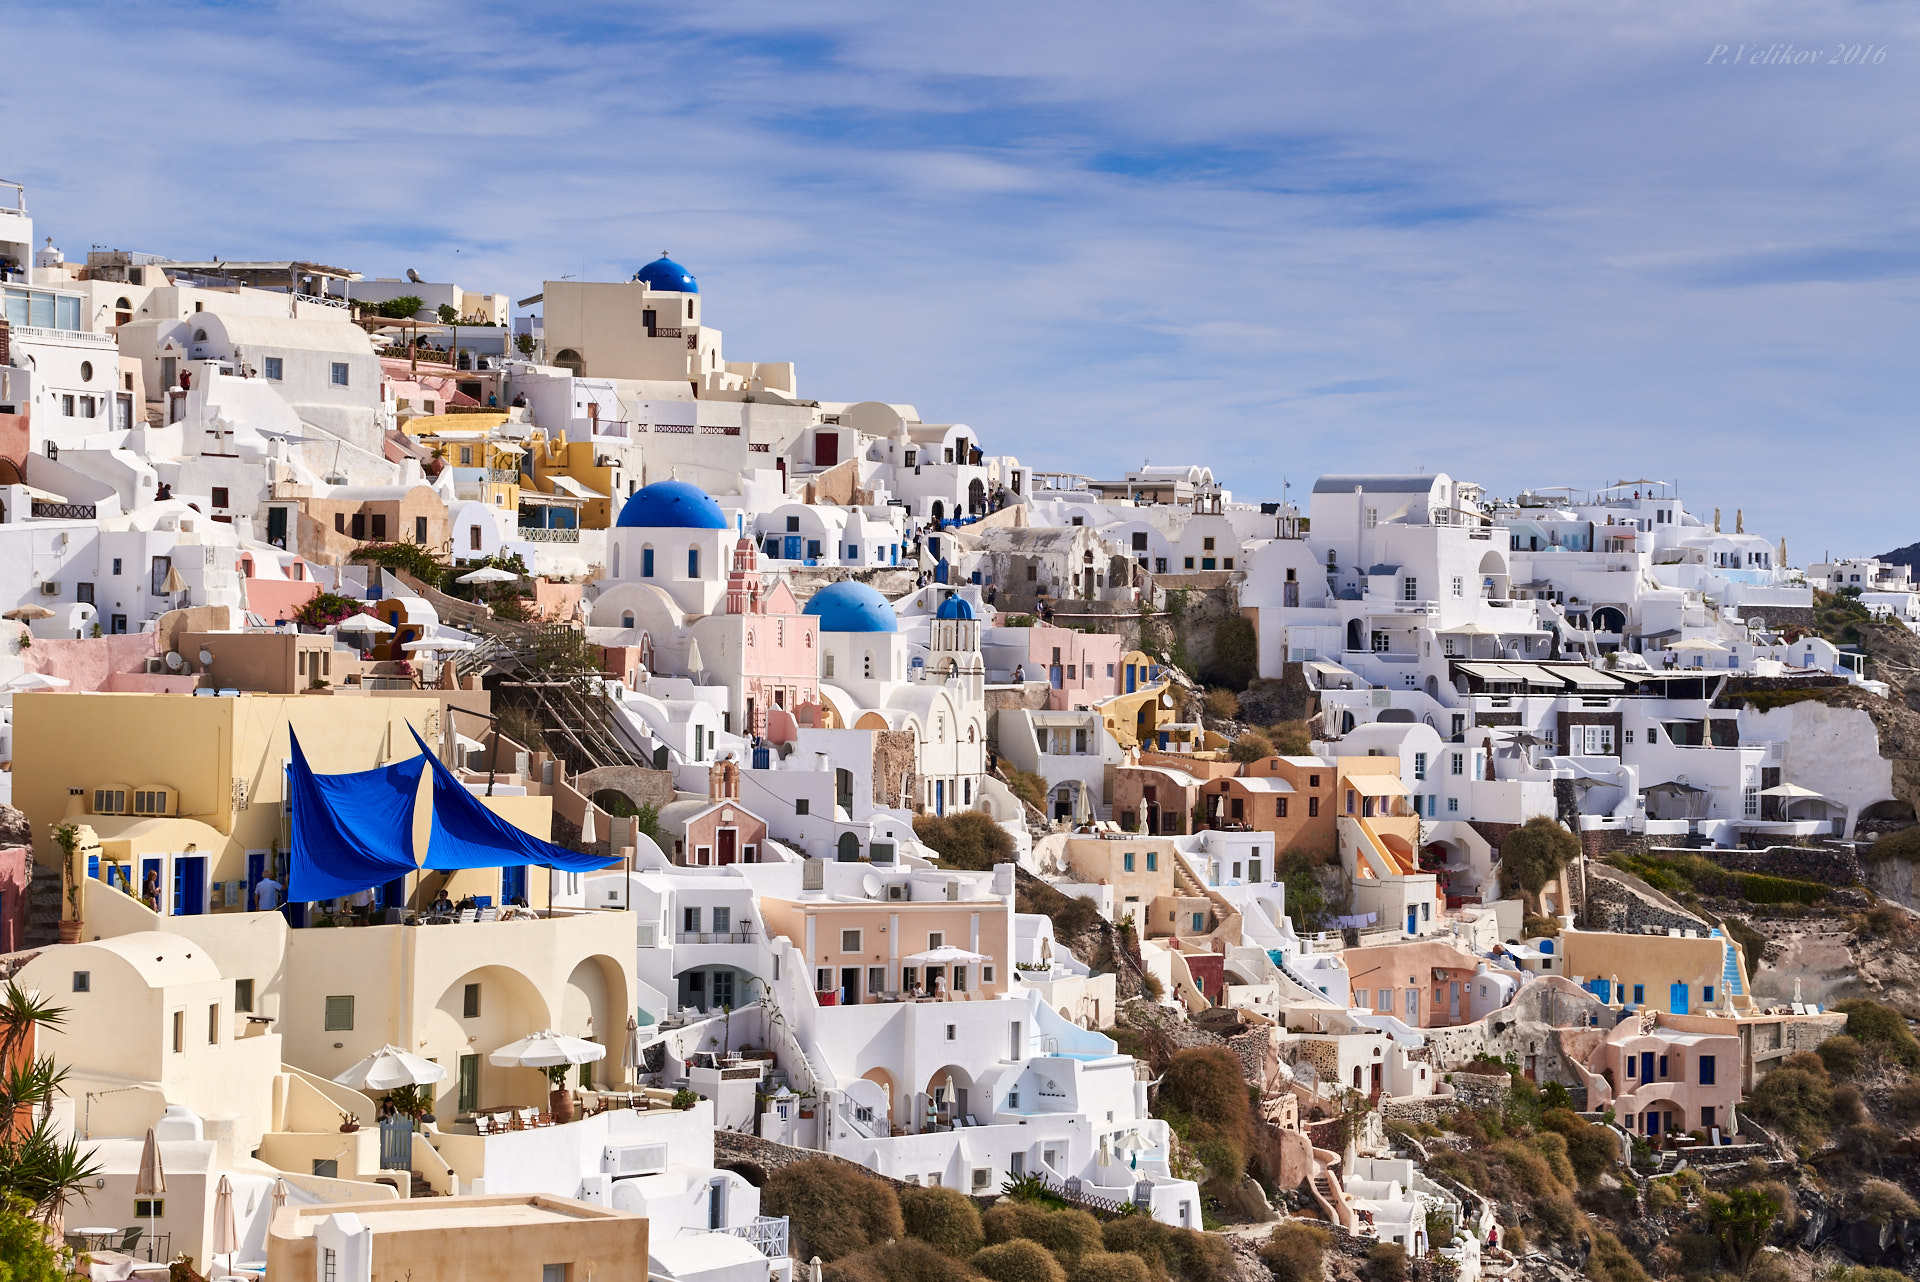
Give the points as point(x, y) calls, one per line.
point(589, 828)
point(1791, 792)
point(28, 613)
point(27, 681)
point(1696, 645)
point(547, 1049)
point(151, 1181)
point(446, 645)
point(390, 1068)
point(226, 1237)
point(488, 574)
point(946, 955)
point(363, 623)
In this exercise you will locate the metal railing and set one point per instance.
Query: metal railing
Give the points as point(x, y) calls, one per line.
point(714, 937)
point(63, 511)
point(322, 301)
point(543, 534)
point(766, 1234)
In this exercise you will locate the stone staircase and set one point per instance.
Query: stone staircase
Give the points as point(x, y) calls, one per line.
point(43, 908)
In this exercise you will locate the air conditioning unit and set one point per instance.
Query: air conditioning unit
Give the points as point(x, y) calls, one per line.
point(49, 589)
point(898, 891)
point(634, 1159)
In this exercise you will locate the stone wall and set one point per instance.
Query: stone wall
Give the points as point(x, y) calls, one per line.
point(644, 786)
point(1480, 1090)
point(1828, 865)
point(893, 761)
point(1612, 905)
point(735, 1149)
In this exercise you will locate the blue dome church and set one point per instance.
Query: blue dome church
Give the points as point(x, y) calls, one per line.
point(674, 536)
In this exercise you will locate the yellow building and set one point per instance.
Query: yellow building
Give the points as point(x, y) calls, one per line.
point(485, 463)
point(191, 792)
point(572, 469)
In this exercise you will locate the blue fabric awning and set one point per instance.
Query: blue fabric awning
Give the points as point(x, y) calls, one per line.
point(465, 834)
point(351, 831)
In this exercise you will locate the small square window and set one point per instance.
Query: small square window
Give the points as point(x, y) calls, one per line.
point(800, 806)
point(849, 941)
point(337, 374)
point(82, 981)
point(470, 1002)
point(339, 1018)
point(272, 368)
point(149, 1208)
point(243, 995)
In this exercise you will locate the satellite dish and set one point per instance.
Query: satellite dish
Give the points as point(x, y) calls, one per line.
point(870, 886)
point(414, 277)
point(174, 661)
point(206, 656)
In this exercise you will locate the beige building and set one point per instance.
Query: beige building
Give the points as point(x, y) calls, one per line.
point(474, 1239)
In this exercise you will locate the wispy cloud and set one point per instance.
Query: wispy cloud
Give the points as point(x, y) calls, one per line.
point(1517, 243)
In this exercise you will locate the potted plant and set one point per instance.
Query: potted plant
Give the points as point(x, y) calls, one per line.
point(559, 1098)
point(348, 1123)
point(684, 1099)
point(67, 837)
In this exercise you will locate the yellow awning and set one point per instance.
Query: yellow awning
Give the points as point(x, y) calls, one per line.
point(1376, 785)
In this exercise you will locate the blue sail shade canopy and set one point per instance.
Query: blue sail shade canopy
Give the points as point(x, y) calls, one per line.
point(354, 831)
point(465, 834)
point(350, 831)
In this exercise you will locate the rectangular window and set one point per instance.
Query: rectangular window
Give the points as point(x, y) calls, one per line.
point(1459, 586)
point(1279, 807)
point(1706, 994)
point(1153, 861)
point(179, 1031)
point(220, 496)
point(149, 1208)
point(849, 941)
point(470, 1002)
point(243, 995)
point(801, 804)
point(1458, 766)
point(273, 368)
point(1189, 563)
point(1708, 1070)
point(935, 939)
point(1313, 807)
point(1453, 805)
point(337, 374)
point(1631, 1061)
point(339, 1017)
point(1360, 998)
point(1126, 861)
point(1199, 922)
point(1639, 994)
point(82, 981)
point(722, 920)
point(1419, 765)
point(213, 1024)
point(1409, 588)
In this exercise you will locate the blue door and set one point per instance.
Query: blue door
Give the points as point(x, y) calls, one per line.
point(1130, 672)
point(158, 868)
point(513, 884)
point(939, 796)
point(1646, 1067)
point(940, 571)
point(256, 869)
point(189, 885)
point(1413, 921)
point(793, 547)
point(1653, 1123)
point(1677, 999)
point(396, 1143)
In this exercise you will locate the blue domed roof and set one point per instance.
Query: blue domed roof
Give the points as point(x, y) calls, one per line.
point(664, 273)
point(955, 607)
point(852, 607)
point(671, 505)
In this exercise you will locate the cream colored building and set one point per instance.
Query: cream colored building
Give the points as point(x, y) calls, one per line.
point(474, 1239)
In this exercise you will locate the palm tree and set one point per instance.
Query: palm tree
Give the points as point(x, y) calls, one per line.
point(36, 1164)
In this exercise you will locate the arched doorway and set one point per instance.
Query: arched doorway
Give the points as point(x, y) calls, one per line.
point(939, 511)
point(946, 1098)
point(1356, 635)
point(594, 1006)
point(890, 1090)
point(847, 850)
point(478, 1013)
point(976, 497)
point(1609, 618)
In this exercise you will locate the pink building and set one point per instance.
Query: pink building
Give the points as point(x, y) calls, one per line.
point(1420, 983)
point(762, 646)
point(1082, 667)
point(276, 590)
point(15, 864)
point(1667, 1080)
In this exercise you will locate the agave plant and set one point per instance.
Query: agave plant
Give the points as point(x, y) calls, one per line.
point(36, 1164)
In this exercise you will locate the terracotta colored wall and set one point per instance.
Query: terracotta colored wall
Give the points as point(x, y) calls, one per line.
point(14, 864)
point(90, 663)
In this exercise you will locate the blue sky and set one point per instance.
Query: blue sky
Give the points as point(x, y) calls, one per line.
point(1521, 243)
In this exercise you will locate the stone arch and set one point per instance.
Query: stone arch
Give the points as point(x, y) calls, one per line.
point(509, 1007)
point(595, 1004)
point(1890, 810)
point(947, 1096)
point(638, 785)
point(1609, 618)
point(569, 359)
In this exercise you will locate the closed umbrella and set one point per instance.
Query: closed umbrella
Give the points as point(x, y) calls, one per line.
point(589, 828)
point(173, 583)
point(226, 1237)
point(151, 1181)
point(390, 1068)
point(279, 1195)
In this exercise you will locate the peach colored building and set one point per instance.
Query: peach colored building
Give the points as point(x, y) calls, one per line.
point(333, 524)
point(1290, 797)
point(1668, 1080)
point(477, 1239)
point(865, 951)
point(1424, 983)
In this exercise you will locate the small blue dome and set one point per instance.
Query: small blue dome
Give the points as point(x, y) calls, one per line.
point(665, 274)
point(671, 505)
point(852, 607)
point(955, 607)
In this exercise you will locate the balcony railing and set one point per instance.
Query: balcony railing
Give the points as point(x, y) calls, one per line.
point(542, 534)
point(766, 1234)
point(714, 937)
point(63, 511)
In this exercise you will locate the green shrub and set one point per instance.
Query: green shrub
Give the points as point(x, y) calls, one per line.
point(1018, 1260)
point(1386, 1262)
point(1026, 785)
point(1204, 1098)
point(1841, 1054)
point(1249, 747)
point(832, 1208)
point(1296, 1252)
point(1592, 1150)
point(1903, 845)
point(1222, 705)
point(1290, 738)
point(904, 1260)
point(1108, 1266)
point(1067, 1234)
point(1610, 1261)
point(1882, 1030)
point(1883, 1202)
point(1534, 853)
point(1796, 1097)
point(969, 840)
point(944, 1219)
